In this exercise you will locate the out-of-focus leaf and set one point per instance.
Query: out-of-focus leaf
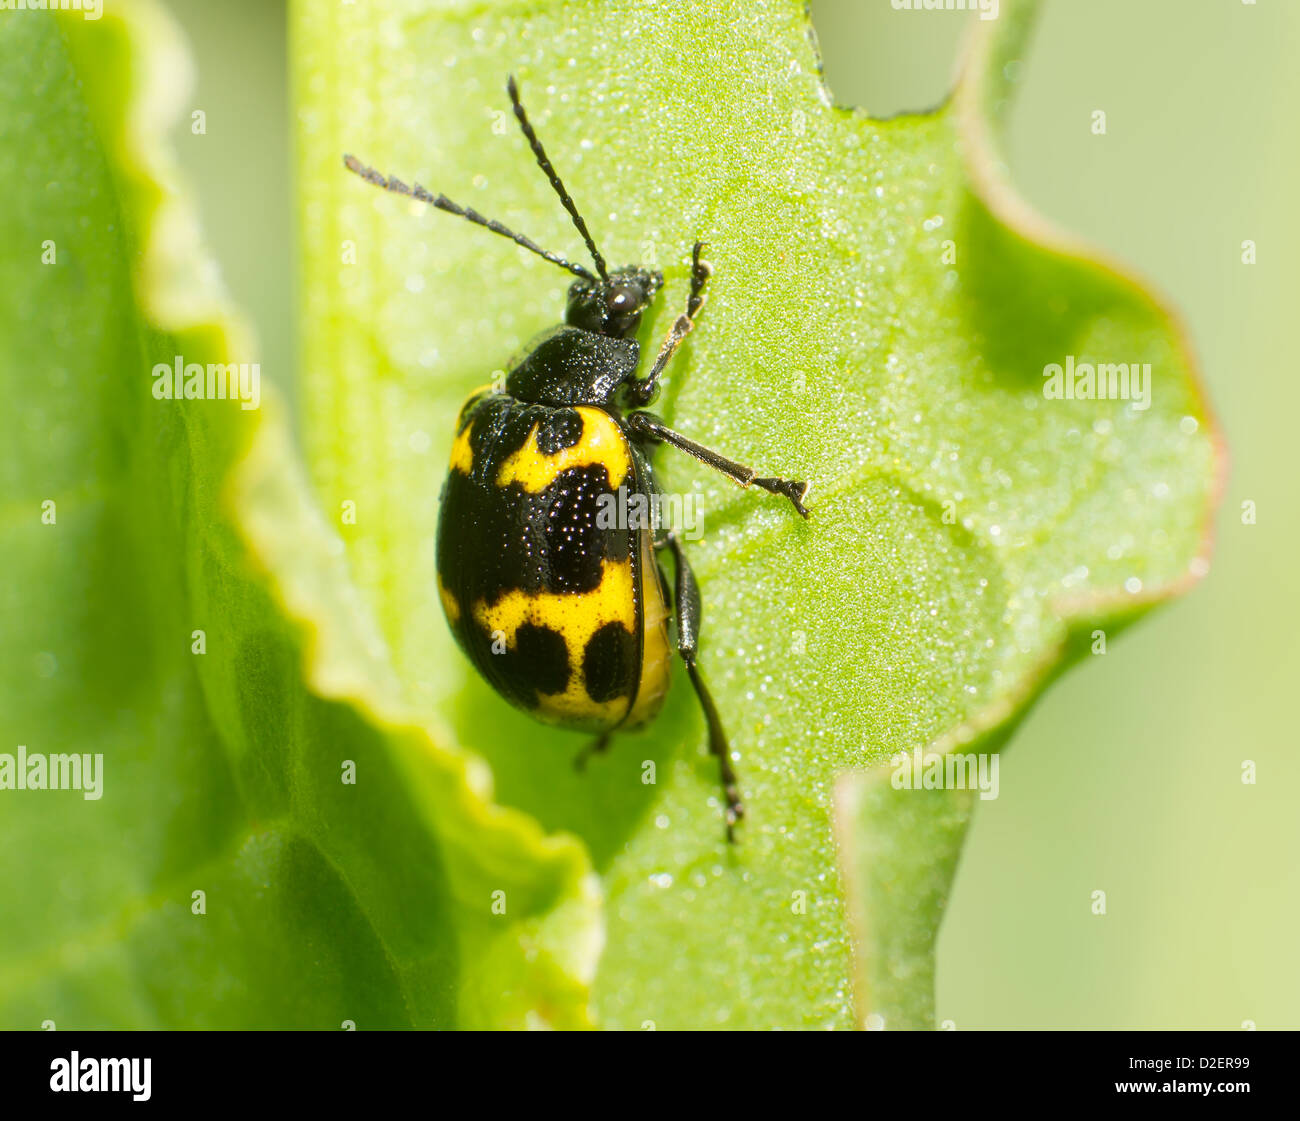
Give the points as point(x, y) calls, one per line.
point(225, 754)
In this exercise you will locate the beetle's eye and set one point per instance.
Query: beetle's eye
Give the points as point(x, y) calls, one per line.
point(621, 299)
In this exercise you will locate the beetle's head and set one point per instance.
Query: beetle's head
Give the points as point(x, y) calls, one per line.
point(614, 306)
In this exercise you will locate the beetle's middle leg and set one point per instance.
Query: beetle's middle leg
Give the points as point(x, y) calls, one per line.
point(640, 393)
point(650, 429)
point(687, 607)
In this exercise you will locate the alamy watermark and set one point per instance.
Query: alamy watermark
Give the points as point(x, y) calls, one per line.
point(91, 9)
point(192, 381)
point(38, 771)
point(659, 513)
point(988, 9)
point(86, 1074)
point(941, 770)
point(1106, 381)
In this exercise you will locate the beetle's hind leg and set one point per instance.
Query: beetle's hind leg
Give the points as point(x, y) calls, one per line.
point(650, 429)
point(598, 746)
point(688, 609)
point(642, 392)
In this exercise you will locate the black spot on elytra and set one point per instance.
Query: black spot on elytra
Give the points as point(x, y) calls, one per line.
point(607, 663)
point(493, 539)
point(500, 427)
point(558, 429)
point(576, 544)
point(539, 660)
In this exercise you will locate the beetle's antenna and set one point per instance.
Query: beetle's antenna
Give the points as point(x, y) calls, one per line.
point(442, 202)
point(544, 163)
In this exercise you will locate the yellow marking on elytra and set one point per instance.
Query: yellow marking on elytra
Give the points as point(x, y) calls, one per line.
point(462, 455)
point(601, 442)
point(656, 655)
point(449, 603)
point(575, 616)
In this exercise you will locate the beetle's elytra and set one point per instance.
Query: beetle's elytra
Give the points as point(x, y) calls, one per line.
point(567, 618)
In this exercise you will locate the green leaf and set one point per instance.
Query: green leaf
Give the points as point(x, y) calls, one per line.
point(223, 756)
point(879, 322)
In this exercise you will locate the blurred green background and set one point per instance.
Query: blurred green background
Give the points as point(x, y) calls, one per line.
point(1127, 777)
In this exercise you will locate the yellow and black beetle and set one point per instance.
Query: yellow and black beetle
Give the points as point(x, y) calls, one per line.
point(565, 615)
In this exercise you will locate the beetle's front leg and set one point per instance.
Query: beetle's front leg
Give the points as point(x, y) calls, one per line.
point(650, 429)
point(640, 393)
